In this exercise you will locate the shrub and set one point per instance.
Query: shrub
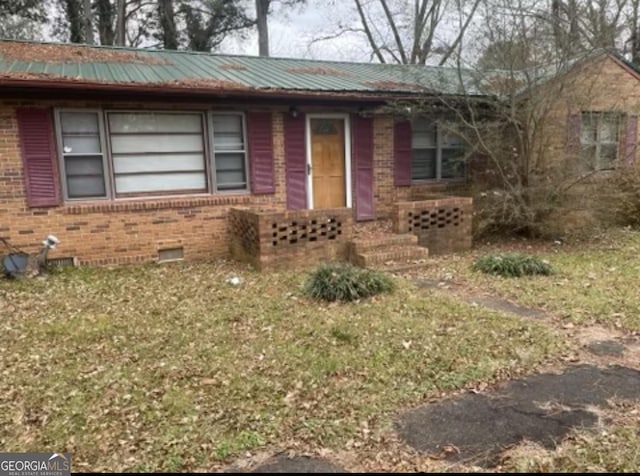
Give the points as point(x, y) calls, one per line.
point(512, 265)
point(342, 282)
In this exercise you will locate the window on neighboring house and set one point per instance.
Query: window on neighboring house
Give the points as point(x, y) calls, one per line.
point(157, 152)
point(436, 152)
point(229, 152)
point(82, 154)
point(150, 153)
point(599, 139)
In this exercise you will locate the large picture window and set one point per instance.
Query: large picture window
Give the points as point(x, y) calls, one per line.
point(150, 153)
point(436, 153)
point(157, 152)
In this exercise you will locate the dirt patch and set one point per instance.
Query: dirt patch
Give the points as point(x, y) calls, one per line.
point(606, 347)
point(298, 464)
point(505, 306)
point(541, 408)
point(373, 229)
point(73, 54)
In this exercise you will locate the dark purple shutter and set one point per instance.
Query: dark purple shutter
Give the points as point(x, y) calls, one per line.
point(631, 139)
point(260, 138)
point(402, 153)
point(295, 156)
point(35, 129)
point(363, 157)
point(574, 127)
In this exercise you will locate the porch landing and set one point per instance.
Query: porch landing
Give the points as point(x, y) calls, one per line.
point(275, 239)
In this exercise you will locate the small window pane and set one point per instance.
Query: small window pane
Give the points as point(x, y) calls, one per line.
point(449, 139)
point(160, 182)
point(423, 164)
point(588, 129)
point(85, 186)
point(140, 143)
point(230, 171)
point(608, 154)
point(231, 180)
point(227, 132)
point(423, 134)
point(123, 164)
point(135, 122)
point(609, 130)
point(453, 163)
point(91, 165)
point(79, 123)
point(81, 145)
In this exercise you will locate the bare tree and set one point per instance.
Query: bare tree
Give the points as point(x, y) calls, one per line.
point(262, 13)
point(399, 31)
point(88, 22)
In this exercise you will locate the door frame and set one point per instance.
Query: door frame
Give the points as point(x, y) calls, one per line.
point(347, 155)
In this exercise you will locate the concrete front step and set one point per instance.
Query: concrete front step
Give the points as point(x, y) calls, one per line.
point(403, 254)
point(381, 242)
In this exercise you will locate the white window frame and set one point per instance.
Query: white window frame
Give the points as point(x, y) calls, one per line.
point(106, 154)
point(438, 148)
point(595, 162)
point(212, 152)
point(169, 193)
point(347, 155)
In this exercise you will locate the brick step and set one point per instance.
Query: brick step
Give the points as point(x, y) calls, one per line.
point(365, 245)
point(402, 254)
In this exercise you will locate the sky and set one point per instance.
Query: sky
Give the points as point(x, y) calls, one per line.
point(292, 31)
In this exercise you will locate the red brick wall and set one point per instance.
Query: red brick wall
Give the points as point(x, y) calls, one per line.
point(122, 231)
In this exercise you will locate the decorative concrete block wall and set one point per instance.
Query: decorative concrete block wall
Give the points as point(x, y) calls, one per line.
point(272, 239)
point(442, 224)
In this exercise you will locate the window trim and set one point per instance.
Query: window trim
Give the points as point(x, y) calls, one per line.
point(158, 193)
point(595, 162)
point(438, 148)
point(106, 153)
point(212, 152)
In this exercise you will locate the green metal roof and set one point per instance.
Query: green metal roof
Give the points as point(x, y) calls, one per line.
point(42, 62)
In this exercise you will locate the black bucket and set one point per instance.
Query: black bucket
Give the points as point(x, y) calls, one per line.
point(15, 264)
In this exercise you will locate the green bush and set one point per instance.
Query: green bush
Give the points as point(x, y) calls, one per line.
point(512, 265)
point(342, 282)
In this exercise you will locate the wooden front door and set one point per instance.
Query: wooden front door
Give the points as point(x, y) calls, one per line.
point(328, 162)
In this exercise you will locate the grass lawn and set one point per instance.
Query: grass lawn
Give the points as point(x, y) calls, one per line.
point(160, 368)
point(596, 282)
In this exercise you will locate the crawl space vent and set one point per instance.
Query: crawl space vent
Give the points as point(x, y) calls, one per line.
point(171, 254)
point(63, 262)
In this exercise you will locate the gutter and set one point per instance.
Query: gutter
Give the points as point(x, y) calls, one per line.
point(10, 87)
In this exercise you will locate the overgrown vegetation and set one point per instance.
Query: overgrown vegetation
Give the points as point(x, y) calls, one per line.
point(613, 449)
point(168, 368)
point(513, 265)
point(344, 282)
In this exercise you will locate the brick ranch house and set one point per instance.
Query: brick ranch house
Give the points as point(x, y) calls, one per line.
point(140, 155)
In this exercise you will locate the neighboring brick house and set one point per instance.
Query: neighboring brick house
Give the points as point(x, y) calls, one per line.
point(125, 154)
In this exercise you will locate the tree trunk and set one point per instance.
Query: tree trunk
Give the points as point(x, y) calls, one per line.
point(105, 12)
point(88, 22)
point(121, 23)
point(166, 13)
point(262, 12)
point(74, 17)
